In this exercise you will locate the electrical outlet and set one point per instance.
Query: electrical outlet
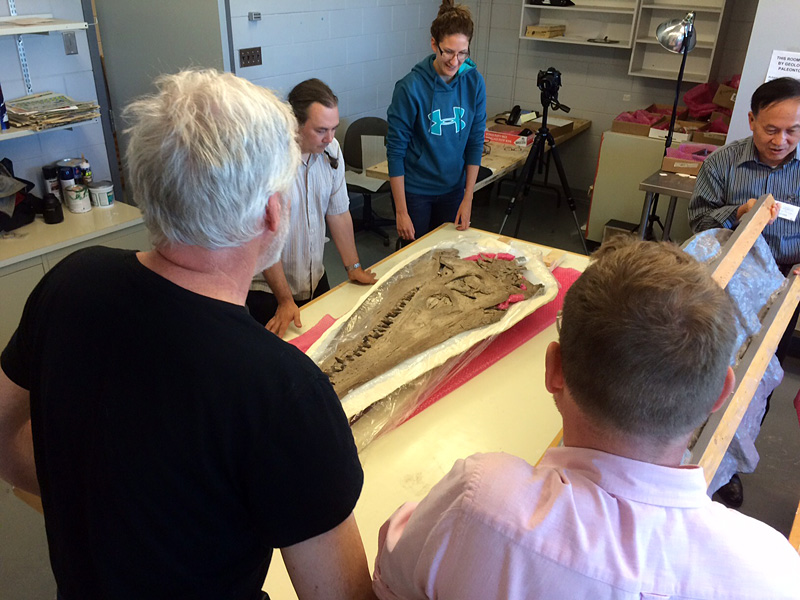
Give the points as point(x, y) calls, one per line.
point(626, 97)
point(254, 16)
point(70, 45)
point(249, 57)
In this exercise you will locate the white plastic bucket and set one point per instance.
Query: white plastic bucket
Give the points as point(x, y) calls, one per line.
point(102, 193)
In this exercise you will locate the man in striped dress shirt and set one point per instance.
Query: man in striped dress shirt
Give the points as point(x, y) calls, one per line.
point(733, 177)
point(317, 197)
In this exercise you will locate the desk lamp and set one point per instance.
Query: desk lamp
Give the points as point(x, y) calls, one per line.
point(677, 36)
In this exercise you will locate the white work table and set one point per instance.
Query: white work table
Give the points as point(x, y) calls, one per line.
point(505, 408)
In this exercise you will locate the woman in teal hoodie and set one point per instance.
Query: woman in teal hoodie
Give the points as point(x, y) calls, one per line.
point(436, 124)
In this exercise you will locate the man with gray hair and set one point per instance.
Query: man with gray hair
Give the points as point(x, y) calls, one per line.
point(174, 441)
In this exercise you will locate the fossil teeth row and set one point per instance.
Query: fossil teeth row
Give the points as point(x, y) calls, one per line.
point(341, 362)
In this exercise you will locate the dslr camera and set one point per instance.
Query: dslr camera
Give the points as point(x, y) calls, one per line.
point(549, 81)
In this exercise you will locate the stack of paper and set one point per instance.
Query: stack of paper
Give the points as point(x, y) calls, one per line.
point(48, 109)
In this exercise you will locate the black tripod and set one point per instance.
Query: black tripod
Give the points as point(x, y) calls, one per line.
point(536, 158)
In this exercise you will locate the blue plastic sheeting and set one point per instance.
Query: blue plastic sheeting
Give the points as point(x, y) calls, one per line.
point(751, 289)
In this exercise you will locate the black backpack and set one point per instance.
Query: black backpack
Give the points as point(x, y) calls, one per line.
point(25, 203)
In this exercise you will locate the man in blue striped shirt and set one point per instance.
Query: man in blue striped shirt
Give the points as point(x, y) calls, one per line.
point(733, 177)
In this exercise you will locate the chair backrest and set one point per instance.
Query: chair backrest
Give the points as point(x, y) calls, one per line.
point(352, 138)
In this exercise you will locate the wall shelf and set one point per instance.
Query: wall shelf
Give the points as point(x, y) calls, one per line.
point(708, 45)
point(649, 59)
point(579, 41)
point(711, 7)
point(698, 77)
point(633, 24)
point(592, 9)
point(18, 132)
point(36, 27)
point(9, 26)
point(584, 21)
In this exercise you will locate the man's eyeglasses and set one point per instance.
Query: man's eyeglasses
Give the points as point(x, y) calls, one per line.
point(449, 54)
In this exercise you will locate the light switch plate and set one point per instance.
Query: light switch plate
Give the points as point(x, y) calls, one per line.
point(249, 57)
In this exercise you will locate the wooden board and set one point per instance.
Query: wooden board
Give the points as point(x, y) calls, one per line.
point(794, 534)
point(718, 432)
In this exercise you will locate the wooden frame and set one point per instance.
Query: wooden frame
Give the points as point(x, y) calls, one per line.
point(794, 534)
point(718, 432)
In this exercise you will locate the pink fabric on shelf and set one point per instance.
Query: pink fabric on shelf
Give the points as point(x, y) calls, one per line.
point(305, 340)
point(639, 116)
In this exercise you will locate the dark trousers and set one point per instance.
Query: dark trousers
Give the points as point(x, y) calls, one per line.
point(263, 305)
point(428, 212)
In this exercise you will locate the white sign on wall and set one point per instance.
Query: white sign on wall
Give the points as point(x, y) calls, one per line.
point(783, 64)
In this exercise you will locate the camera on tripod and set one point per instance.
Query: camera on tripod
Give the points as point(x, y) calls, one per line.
point(549, 81)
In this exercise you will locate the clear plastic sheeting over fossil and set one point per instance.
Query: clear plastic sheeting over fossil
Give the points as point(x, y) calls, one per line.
point(751, 289)
point(440, 296)
point(431, 308)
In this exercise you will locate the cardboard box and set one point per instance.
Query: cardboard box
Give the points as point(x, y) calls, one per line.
point(507, 134)
point(708, 137)
point(633, 128)
point(725, 96)
point(556, 125)
point(666, 110)
point(545, 31)
point(682, 132)
point(681, 165)
point(718, 115)
point(616, 228)
point(704, 136)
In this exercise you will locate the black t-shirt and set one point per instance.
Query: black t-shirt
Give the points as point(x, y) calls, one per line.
point(177, 442)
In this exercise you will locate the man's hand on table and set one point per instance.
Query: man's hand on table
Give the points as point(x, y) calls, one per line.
point(748, 206)
point(286, 313)
point(362, 276)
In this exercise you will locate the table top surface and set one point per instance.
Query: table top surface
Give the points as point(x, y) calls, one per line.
point(39, 238)
point(502, 158)
point(669, 184)
point(505, 408)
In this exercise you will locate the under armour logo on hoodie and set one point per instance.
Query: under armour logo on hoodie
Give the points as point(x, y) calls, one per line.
point(437, 121)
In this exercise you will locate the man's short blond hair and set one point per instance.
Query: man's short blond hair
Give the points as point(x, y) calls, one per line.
point(646, 339)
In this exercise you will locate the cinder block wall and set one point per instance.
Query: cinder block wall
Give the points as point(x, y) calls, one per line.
point(360, 48)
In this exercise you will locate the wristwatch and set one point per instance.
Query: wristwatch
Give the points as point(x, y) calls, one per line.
point(349, 268)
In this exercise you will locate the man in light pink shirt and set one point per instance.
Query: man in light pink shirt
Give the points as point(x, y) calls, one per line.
point(645, 343)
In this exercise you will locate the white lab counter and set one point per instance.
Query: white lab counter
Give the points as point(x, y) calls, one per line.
point(27, 253)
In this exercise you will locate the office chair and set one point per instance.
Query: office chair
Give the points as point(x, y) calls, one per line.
point(353, 158)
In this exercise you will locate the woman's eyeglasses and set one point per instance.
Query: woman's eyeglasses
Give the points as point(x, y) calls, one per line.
point(449, 54)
